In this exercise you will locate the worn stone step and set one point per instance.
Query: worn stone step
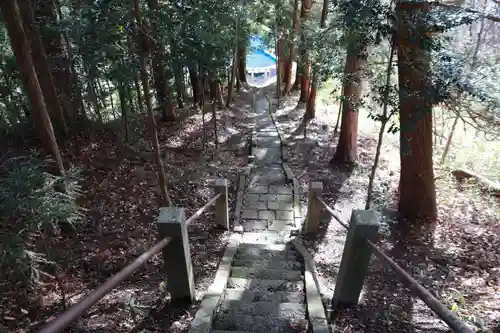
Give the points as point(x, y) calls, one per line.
point(265, 285)
point(259, 324)
point(264, 262)
point(262, 308)
point(265, 273)
point(263, 238)
point(246, 295)
point(269, 251)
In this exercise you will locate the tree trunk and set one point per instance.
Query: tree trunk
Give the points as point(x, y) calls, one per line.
point(311, 102)
point(22, 51)
point(42, 66)
point(306, 71)
point(242, 63)
point(346, 152)
point(291, 56)
point(163, 90)
point(124, 108)
point(417, 194)
point(139, 95)
point(144, 54)
point(448, 142)
point(57, 58)
point(385, 119)
point(179, 89)
point(234, 67)
point(196, 85)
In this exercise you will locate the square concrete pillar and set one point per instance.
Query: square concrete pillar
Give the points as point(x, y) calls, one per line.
point(364, 226)
point(314, 207)
point(176, 255)
point(221, 205)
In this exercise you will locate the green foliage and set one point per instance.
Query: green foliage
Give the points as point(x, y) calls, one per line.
point(32, 203)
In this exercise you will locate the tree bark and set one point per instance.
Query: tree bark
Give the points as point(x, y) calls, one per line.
point(42, 66)
point(306, 72)
point(195, 85)
point(144, 54)
point(163, 90)
point(346, 152)
point(242, 63)
point(234, 67)
point(291, 56)
point(68, 93)
point(417, 194)
point(124, 108)
point(139, 95)
point(22, 51)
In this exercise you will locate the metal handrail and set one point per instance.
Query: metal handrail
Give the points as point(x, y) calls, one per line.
point(449, 317)
point(75, 311)
point(202, 209)
point(78, 309)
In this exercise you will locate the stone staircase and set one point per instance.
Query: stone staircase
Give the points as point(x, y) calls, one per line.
point(265, 280)
point(265, 290)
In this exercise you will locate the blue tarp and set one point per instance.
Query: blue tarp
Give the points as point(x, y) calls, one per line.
point(258, 57)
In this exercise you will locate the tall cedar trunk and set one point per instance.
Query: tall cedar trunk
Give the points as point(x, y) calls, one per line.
point(144, 48)
point(311, 102)
point(347, 146)
point(291, 56)
point(163, 90)
point(195, 85)
point(306, 69)
point(45, 12)
point(417, 193)
point(242, 63)
point(22, 52)
point(42, 66)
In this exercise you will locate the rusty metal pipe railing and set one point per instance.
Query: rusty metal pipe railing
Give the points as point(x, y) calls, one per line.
point(202, 210)
point(75, 311)
point(449, 317)
point(333, 213)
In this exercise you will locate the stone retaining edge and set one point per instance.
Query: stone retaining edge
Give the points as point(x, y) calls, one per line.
point(315, 309)
point(202, 321)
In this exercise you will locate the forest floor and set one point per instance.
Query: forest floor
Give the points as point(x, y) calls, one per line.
point(458, 261)
point(121, 196)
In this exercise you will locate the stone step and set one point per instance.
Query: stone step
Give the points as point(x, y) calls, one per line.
point(246, 295)
point(265, 273)
point(262, 238)
point(259, 324)
point(268, 251)
point(264, 262)
point(266, 309)
point(265, 285)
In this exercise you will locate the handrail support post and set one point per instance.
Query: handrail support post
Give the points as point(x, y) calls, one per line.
point(221, 205)
point(313, 217)
point(171, 222)
point(364, 225)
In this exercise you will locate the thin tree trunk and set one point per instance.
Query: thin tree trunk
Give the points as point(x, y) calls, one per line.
point(417, 193)
point(110, 92)
point(385, 119)
point(124, 108)
point(448, 142)
point(346, 152)
point(144, 54)
point(234, 67)
point(45, 14)
point(129, 97)
point(289, 64)
point(335, 131)
point(196, 85)
point(179, 90)
point(22, 51)
point(42, 66)
point(139, 95)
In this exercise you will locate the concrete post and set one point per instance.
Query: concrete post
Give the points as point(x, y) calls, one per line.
point(314, 207)
point(176, 255)
point(364, 226)
point(221, 205)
